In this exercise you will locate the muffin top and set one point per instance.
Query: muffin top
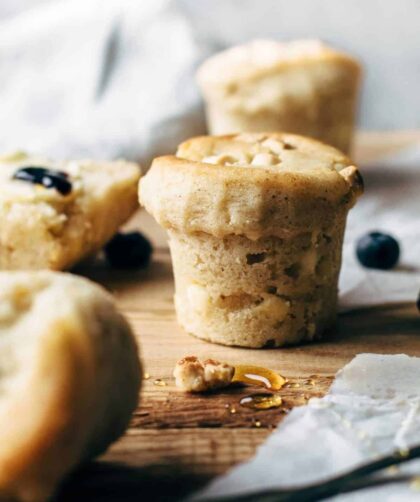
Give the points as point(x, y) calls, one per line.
point(253, 184)
point(35, 180)
point(278, 153)
point(261, 57)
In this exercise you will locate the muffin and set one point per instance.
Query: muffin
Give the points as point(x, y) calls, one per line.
point(55, 214)
point(255, 224)
point(302, 87)
point(70, 378)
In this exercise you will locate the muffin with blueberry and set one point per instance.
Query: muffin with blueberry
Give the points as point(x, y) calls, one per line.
point(54, 214)
point(255, 224)
point(303, 87)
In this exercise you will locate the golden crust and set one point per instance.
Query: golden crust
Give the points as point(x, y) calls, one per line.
point(261, 57)
point(311, 182)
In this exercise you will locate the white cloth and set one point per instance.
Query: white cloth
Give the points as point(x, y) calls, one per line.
point(101, 79)
point(371, 409)
point(385, 39)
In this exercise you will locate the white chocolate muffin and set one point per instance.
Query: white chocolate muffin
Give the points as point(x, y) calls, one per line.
point(303, 87)
point(69, 379)
point(255, 225)
point(53, 214)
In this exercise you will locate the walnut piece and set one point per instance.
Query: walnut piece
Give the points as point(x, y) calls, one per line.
point(193, 375)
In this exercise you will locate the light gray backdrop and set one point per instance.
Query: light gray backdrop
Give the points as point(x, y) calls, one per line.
point(115, 77)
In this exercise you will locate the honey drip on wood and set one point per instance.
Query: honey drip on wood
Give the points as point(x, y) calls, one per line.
point(261, 401)
point(257, 375)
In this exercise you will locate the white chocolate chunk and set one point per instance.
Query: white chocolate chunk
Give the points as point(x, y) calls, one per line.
point(273, 145)
point(264, 159)
point(220, 160)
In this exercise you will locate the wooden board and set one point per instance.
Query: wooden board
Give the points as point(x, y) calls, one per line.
point(177, 442)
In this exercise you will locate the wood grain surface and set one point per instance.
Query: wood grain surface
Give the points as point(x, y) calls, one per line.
point(176, 442)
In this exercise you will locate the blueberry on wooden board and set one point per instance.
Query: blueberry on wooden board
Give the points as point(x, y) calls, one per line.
point(131, 250)
point(378, 250)
point(48, 178)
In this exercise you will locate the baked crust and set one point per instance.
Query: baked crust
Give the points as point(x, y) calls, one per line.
point(70, 378)
point(41, 228)
point(211, 185)
point(261, 57)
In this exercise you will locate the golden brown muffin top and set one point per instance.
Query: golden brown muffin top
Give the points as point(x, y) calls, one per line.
point(251, 184)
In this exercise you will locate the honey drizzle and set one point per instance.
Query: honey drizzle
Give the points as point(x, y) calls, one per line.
point(258, 375)
point(261, 401)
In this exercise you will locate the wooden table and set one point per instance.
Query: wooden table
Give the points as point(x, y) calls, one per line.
point(177, 442)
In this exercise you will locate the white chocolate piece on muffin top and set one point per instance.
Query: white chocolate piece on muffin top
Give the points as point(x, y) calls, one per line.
point(193, 375)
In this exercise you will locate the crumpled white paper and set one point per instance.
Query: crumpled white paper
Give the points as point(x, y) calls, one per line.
point(372, 408)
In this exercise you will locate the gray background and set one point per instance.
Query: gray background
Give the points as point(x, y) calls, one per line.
point(384, 34)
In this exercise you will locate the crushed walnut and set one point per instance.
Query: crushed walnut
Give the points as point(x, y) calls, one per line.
point(193, 375)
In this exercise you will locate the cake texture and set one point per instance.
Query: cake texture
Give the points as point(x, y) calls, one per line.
point(54, 214)
point(255, 224)
point(303, 87)
point(70, 379)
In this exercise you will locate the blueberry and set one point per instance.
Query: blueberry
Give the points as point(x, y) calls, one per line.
point(131, 250)
point(378, 250)
point(48, 178)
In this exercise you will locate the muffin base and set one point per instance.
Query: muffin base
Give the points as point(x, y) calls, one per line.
point(264, 293)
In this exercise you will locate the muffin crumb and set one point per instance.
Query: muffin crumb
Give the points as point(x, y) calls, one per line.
point(193, 375)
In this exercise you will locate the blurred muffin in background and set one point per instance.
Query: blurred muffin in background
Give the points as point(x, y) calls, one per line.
point(302, 87)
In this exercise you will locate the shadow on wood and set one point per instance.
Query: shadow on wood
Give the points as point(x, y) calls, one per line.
point(112, 481)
